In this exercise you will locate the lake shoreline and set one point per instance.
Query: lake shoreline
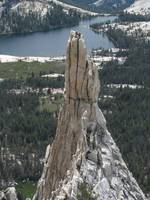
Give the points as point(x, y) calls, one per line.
point(53, 43)
point(59, 27)
point(10, 59)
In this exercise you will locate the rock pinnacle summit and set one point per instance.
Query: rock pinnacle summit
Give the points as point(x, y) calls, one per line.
point(83, 151)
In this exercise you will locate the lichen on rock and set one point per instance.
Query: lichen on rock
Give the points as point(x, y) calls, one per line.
point(83, 150)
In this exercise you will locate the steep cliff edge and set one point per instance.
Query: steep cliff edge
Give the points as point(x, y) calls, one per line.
point(83, 150)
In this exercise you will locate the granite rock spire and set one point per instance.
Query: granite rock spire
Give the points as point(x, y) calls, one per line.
point(83, 150)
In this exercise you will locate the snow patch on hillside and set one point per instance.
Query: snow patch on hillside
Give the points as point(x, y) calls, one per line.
point(9, 59)
point(140, 7)
point(141, 29)
point(110, 3)
point(40, 6)
point(98, 2)
point(25, 7)
point(68, 7)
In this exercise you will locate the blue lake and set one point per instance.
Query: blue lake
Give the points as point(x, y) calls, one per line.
point(53, 42)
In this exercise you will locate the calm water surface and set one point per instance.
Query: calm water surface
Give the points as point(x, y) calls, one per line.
point(53, 43)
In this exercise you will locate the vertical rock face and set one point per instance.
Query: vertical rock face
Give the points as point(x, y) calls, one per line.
point(83, 150)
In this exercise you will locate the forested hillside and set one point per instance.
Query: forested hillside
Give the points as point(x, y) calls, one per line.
point(128, 119)
point(102, 5)
point(28, 119)
point(34, 16)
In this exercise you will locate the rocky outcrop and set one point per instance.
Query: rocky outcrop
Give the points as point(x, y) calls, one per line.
point(2, 196)
point(83, 150)
point(8, 194)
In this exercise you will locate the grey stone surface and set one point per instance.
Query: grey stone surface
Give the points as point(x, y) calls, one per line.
point(8, 194)
point(2, 196)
